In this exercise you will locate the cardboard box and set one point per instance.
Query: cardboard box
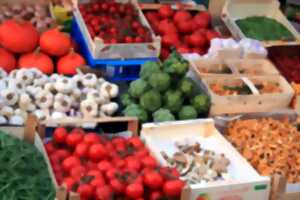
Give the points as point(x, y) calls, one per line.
point(246, 183)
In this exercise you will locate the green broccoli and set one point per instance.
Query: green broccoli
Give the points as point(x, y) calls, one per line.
point(187, 112)
point(151, 100)
point(148, 68)
point(187, 86)
point(126, 99)
point(163, 115)
point(176, 65)
point(134, 110)
point(201, 103)
point(173, 100)
point(160, 81)
point(137, 88)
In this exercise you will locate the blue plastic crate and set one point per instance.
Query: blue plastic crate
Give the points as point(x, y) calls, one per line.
point(115, 69)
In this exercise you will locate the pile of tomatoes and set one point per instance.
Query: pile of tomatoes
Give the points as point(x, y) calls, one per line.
point(114, 22)
point(182, 30)
point(103, 169)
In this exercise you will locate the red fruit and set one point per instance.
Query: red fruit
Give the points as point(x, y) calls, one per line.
point(165, 11)
point(49, 148)
point(138, 39)
point(95, 173)
point(104, 193)
point(91, 138)
point(86, 191)
point(62, 154)
point(81, 150)
point(202, 19)
point(197, 40)
point(70, 162)
point(69, 182)
point(170, 40)
point(133, 163)
point(149, 162)
point(73, 139)
point(111, 173)
point(185, 26)
point(152, 16)
point(68, 64)
point(153, 180)
point(97, 152)
point(165, 53)
point(166, 27)
point(104, 165)
point(128, 39)
point(55, 43)
point(116, 141)
point(7, 60)
point(211, 34)
point(77, 130)
point(18, 36)
point(183, 49)
point(77, 172)
point(182, 15)
point(117, 186)
point(155, 195)
point(97, 182)
point(136, 142)
point(134, 190)
point(60, 135)
point(92, 165)
point(37, 60)
point(173, 188)
point(142, 153)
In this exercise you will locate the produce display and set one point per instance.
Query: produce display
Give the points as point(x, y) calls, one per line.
point(115, 22)
point(272, 29)
point(24, 172)
point(27, 91)
point(180, 29)
point(38, 13)
point(29, 49)
point(265, 87)
point(271, 146)
point(218, 69)
point(100, 168)
point(164, 93)
point(239, 88)
point(197, 165)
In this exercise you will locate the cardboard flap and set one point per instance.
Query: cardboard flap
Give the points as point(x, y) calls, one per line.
point(31, 125)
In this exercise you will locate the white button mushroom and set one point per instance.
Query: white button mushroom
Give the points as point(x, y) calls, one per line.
point(110, 108)
point(24, 102)
point(62, 103)
point(16, 120)
point(3, 120)
point(89, 107)
point(44, 99)
point(64, 85)
point(89, 80)
point(11, 97)
point(111, 89)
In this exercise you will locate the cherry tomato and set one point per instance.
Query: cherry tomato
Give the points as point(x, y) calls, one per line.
point(92, 165)
point(117, 186)
point(133, 163)
point(82, 149)
point(97, 152)
point(91, 138)
point(104, 165)
point(77, 172)
point(97, 182)
point(172, 188)
point(86, 191)
point(95, 174)
point(49, 148)
point(153, 180)
point(69, 182)
point(134, 190)
point(104, 193)
point(73, 139)
point(149, 161)
point(136, 142)
point(60, 135)
point(141, 153)
point(155, 195)
point(111, 173)
point(70, 162)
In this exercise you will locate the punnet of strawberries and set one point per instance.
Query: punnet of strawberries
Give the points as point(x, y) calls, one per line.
point(114, 22)
point(185, 30)
point(99, 168)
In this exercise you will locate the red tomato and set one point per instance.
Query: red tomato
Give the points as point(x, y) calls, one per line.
point(141, 31)
point(155, 195)
point(134, 190)
point(86, 191)
point(135, 25)
point(202, 19)
point(166, 27)
point(136, 142)
point(153, 180)
point(149, 161)
point(117, 186)
point(116, 141)
point(165, 11)
point(133, 163)
point(104, 193)
point(211, 34)
point(97, 152)
point(77, 130)
point(104, 165)
point(138, 39)
point(128, 39)
point(49, 148)
point(143, 152)
point(165, 53)
point(81, 150)
point(185, 26)
point(92, 165)
point(95, 174)
point(183, 49)
point(70, 162)
point(60, 135)
point(173, 188)
point(97, 182)
point(111, 173)
point(69, 182)
point(91, 138)
point(182, 15)
point(62, 154)
point(119, 163)
point(170, 40)
point(77, 172)
point(197, 40)
point(73, 139)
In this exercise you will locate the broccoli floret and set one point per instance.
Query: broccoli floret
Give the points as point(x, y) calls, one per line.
point(173, 100)
point(137, 88)
point(151, 101)
point(187, 86)
point(187, 112)
point(160, 81)
point(134, 110)
point(176, 65)
point(163, 115)
point(201, 103)
point(126, 99)
point(148, 68)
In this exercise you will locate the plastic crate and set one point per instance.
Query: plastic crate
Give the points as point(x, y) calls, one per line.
point(115, 70)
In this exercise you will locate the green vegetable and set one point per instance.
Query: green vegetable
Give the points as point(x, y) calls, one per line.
point(134, 110)
point(187, 86)
point(23, 171)
point(173, 100)
point(201, 103)
point(160, 81)
point(264, 28)
point(138, 87)
point(163, 115)
point(126, 99)
point(151, 101)
point(176, 65)
point(187, 112)
point(243, 90)
point(148, 69)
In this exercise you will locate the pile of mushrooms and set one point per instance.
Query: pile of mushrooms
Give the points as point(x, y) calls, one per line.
point(197, 165)
point(54, 97)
